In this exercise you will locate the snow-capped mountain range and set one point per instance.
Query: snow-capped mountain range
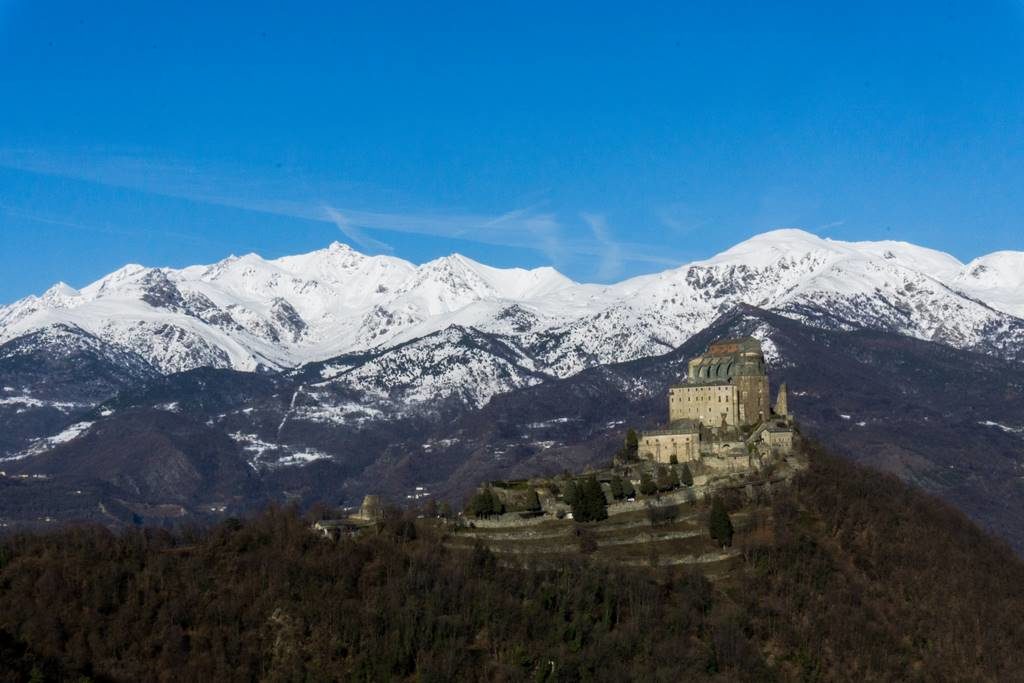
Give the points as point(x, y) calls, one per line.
point(249, 313)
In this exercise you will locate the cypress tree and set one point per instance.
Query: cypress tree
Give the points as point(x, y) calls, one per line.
point(480, 505)
point(632, 442)
point(617, 488)
point(597, 504)
point(664, 480)
point(647, 486)
point(572, 493)
point(590, 505)
point(719, 524)
point(687, 476)
point(578, 502)
point(497, 507)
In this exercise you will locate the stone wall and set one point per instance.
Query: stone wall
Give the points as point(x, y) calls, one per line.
point(724, 445)
point(780, 440)
point(729, 462)
point(661, 447)
point(705, 485)
point(706, 403)
point(509, 519)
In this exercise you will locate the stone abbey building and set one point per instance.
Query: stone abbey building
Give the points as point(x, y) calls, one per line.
point(723, 411)
point(726, 386)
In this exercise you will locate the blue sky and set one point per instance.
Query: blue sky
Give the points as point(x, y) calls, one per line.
point(606, 140)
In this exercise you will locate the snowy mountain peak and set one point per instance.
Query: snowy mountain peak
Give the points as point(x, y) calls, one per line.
point(769, 247)
point(444, 285)
point(61, 295)
point(998, 269)
point(780, 260)
point(795, 245)
point(113, 280)
point(339, 247)
point(937, 264)
point(997, 279)
point(246, 312)
point(792, 238)
point(505, 283)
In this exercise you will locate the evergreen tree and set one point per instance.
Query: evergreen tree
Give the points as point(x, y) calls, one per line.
point(484, 504)
point(673, 459)
point(576, 498)
point(647, 486)
point(572, 493)
point(719, 524)
point(687, 476)
point(617, 490)
point(532, 501)
point(632, 442)
point(673, 478)
point(496, 505)
point(597, 504)
point(590, 505)
point(664, 479)
point(628, 491)
point(480, 505)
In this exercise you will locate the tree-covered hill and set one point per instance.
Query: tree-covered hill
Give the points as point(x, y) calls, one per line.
point(863, 578)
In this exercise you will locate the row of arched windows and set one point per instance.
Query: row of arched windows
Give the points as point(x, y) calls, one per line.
point(715, 371)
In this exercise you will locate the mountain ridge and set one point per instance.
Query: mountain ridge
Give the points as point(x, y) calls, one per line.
point(249, 313)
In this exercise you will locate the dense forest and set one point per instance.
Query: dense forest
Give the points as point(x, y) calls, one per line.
point(861, 578)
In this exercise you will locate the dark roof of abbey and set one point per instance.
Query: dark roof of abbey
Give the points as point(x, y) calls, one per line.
point(734, 345)
point(725, 360)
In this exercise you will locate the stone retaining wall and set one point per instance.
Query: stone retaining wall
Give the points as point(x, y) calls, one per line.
point(691, 494)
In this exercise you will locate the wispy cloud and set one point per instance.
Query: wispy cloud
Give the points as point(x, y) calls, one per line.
point(525, 227)
point(610, 266)
point(680, 218)
point(100, 229)
point(353, 233)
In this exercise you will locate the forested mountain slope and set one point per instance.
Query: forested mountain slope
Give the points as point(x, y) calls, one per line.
point(863, 578)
